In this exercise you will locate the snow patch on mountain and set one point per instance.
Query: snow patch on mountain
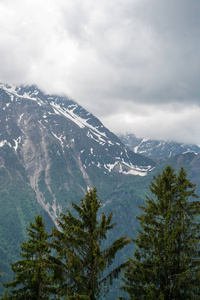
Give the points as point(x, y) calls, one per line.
point(188, 151)
point(17, 142)
point(4, 142)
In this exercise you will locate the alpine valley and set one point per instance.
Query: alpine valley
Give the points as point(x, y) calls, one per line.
point(52, 150)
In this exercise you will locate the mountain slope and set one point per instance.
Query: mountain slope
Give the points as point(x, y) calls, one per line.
point(63, 148)
point(154, 148)
point(18, 207)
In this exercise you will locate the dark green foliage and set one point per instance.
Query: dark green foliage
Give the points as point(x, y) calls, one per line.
point(80, 261)
point(31, 280)
point(166, 260)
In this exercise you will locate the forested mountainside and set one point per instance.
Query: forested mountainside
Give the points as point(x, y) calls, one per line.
point(155, 148)
point(51, 151)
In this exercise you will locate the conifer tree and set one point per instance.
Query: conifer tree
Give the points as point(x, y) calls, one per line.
point(31, 280)
point(81, 262)
point(165, 263)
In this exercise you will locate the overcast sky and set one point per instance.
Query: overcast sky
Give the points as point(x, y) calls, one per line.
point(135, 64)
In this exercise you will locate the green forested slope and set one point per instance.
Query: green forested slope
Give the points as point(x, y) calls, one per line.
point(18, 207)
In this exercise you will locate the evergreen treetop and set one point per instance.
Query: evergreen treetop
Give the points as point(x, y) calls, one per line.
point(31, 280)
point(80, 262)
point(166, 260)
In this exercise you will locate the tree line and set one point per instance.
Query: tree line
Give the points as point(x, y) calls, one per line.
point(71, 263)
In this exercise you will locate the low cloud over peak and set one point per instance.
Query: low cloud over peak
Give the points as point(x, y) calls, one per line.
point(134, 64)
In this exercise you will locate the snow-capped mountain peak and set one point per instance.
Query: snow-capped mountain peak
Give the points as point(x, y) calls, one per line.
point(48, 107)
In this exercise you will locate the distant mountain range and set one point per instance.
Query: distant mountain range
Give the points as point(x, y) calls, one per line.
point(155, 148)
point(52, 150)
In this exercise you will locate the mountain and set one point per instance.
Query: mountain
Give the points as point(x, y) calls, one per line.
point(60, 144)
point(155, 148)
point(51, 151)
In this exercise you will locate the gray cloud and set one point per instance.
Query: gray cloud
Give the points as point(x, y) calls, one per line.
point(130, 62)
point(173, 121)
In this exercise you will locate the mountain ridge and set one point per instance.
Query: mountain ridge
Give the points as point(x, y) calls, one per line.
point(156, 148)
